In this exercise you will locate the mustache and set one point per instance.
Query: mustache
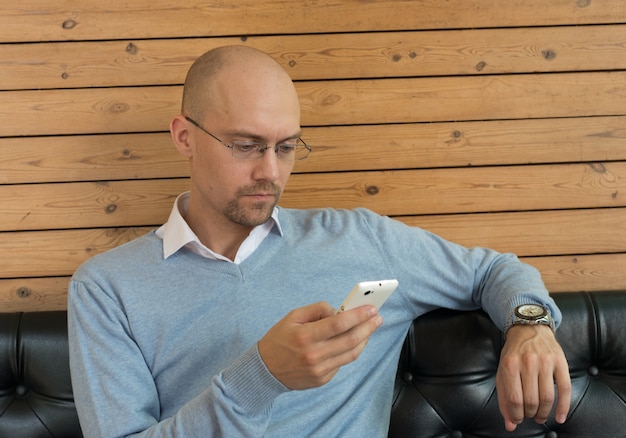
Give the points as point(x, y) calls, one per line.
point(261, 187)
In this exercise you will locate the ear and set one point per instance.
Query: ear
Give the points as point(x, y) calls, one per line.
point(179, 130)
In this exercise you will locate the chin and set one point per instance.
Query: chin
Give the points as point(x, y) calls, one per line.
point(252, 217)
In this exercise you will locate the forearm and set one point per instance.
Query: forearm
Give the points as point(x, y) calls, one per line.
point(117, 394)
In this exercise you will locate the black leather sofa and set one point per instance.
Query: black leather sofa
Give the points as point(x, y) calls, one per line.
point(445, 385)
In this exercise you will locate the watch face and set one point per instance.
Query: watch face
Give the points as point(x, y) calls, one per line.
point(530, 311)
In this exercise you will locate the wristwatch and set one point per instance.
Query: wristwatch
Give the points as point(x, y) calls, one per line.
point(532, 314)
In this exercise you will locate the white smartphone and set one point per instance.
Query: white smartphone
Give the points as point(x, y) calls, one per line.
point(368, 292)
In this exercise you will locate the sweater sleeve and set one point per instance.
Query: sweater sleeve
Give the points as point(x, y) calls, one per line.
point(434, 273)
point(115, 392)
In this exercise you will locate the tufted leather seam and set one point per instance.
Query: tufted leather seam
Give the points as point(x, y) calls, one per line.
point(598, 329)
point(7, 408)
point(39, 418)
point(595, 319)
point(432, 406)
point(592, 315)
point(18, 361)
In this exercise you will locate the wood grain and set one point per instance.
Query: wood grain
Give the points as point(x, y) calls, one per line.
point(320, 56)
point(335, 148)
point(349, 102)
point(65, 20)
point(57, 253)
point(539, 233)
point(394, 192)
point(499, 124)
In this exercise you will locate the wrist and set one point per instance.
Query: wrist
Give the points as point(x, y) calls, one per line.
point(530, 315)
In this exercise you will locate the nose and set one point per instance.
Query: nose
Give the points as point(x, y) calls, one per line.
point(267, 167)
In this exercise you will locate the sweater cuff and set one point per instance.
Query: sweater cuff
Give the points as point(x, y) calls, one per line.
point(250, 385)
point(518, 300)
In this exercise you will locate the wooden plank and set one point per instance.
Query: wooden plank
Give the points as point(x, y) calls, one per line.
point(58, 253)
point(89, 158)
point(54, 20)
point(83, 205)
point(144, 109)
point(582, 273)
point(402, 192)
point(463, 98)
point(432, 145)
point(321, 56)
point(541, 233)
point(335, 148)
point(87, 111)
point(463, 190)
point(33, 294)
point(561, 274)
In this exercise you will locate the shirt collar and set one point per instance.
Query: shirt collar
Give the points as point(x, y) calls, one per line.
point(177, 234)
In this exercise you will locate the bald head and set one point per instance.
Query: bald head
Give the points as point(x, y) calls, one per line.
point(229, 69)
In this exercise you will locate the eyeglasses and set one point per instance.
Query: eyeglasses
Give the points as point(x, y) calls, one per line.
point(251, 150)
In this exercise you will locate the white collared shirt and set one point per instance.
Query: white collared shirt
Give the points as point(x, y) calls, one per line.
point(177, 234)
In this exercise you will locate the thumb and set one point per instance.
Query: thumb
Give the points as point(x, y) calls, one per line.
point(312, 312)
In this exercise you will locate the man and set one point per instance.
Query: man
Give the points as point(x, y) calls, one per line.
point(222, 321)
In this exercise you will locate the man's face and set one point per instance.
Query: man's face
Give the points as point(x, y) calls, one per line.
point(240, 191)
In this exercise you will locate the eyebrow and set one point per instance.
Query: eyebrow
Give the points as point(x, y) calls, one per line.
point(258, 138)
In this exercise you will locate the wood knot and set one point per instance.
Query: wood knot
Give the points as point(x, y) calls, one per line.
point(292, 63)
point(118, 108)
point(127, 153)
point(396, 58)
point(65, 75)
point(331, 100)
point(548, 55)
point(412, 55)
point(110, 208)
point(457, 134)
point(23, 292)
point(69, 24)
point(131, 48)
point(598, 167)
point(481, 65)
point(372, 190)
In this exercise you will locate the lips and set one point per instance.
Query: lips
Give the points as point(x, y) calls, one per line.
point(268, 191)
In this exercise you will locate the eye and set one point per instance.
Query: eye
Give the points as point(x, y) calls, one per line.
point(245, 147)
point(286, 149)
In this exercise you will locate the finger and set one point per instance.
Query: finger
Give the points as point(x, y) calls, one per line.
point(324, 361)
point(509, 423)
point(530, 392)
point(564, 388)
point(327, 368)
point(546, 397)
point(332, 326)
point(339, 358)
point(510, 396)
point(346, 346)
point(312, 312)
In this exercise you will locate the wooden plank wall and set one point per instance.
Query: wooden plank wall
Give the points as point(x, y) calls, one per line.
point(493, 123)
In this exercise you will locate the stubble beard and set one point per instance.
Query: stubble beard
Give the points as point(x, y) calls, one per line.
point(255, 214)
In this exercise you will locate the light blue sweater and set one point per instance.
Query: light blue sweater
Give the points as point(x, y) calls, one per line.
point(168, 347)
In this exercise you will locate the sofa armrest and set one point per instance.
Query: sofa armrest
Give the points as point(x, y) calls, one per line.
point(446, 378)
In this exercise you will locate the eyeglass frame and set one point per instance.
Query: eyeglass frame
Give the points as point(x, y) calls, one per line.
point(260, 147)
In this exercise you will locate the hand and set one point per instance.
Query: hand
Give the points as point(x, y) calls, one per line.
point(308, 346)
point(531, 363)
